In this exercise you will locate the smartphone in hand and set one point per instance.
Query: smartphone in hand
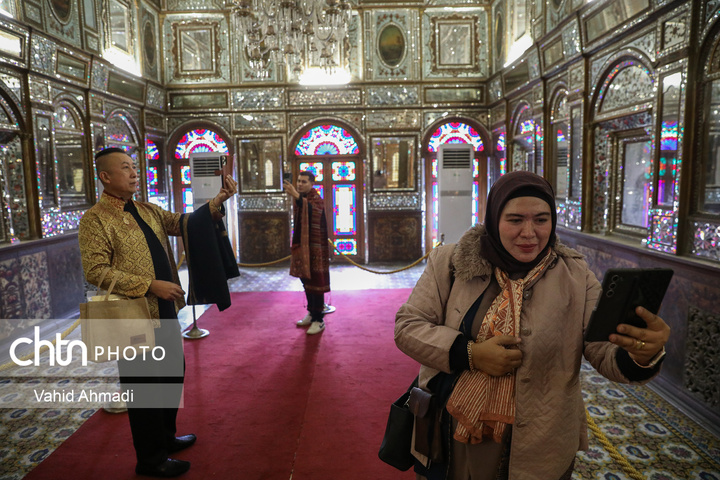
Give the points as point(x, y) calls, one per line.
point(625, 289)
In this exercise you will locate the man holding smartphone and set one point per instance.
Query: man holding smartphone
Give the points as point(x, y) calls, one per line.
point(309, 250)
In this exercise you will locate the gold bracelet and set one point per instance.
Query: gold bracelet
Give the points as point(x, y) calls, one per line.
point(470, 359)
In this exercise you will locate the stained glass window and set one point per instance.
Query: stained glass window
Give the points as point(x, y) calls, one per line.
point(153, 153)
point(187, 197)
point(455, 132)
point(501, 143)
point(185, 175)
point(667, 169)
point(344, 214)
point(346, 246)
point(436, 207)
point(316, 169)
point(560, 136)
point(343, 171)
point(198, 141)
point(327, 140)
point(435, 199)
point(669, 136)
point(152, 177)
point(501, 148)
point(526, 127)
point(320, 189)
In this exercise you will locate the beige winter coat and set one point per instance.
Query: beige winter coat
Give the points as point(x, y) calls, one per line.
point(550, 424)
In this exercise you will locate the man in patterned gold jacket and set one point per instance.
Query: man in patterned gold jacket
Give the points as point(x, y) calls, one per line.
point(131, 238)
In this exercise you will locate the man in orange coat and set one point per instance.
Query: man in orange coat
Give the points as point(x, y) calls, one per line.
point(310, 251)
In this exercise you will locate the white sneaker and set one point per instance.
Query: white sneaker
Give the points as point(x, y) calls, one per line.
point(305, 321)
point(316, 327)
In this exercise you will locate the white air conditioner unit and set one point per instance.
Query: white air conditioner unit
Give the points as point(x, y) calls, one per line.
point(205, 175)
point(455, 181)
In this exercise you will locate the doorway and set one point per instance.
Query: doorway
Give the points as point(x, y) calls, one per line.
point(333, 156)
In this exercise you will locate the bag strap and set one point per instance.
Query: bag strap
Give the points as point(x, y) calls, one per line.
point(112, 284)
point(110, 289)
point(102, 276)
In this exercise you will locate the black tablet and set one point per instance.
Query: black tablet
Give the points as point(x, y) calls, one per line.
point(623, 290)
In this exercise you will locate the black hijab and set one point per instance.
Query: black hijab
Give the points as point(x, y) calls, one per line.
point(509, 186)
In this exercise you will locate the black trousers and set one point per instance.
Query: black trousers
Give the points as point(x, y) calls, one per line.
point(315, 304)
point(156, 393)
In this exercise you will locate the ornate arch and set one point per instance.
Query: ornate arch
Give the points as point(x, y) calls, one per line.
point(624, 66)
point(472, 123)
point(559, 93)
point(456, 134)
point(193, 125)
point(12, 145)
point(119, 121)
point(301, 131)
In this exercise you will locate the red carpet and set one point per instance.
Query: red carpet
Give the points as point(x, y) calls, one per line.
point(268, 401)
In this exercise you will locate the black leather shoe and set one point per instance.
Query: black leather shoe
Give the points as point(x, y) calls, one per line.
point(181, 443)
point(168, 469)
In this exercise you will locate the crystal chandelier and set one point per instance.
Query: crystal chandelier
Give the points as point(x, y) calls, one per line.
point(296, 33)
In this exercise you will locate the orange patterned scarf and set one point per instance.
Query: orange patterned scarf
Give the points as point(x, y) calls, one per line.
point(482, 404)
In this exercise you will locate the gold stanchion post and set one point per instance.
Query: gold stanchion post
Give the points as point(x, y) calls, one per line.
point(195, 332)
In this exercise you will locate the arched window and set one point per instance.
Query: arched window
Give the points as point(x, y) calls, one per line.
point(338, 180)
point(455, 132)
point(449, 133)
point(199, 140)
point(157, 192)
point(327, 140)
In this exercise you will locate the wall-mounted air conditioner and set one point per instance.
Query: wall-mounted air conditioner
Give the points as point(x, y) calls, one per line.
point(455, 181)
point(206, 175)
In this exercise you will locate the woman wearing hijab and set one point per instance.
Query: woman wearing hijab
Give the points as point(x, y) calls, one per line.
point(497, 324)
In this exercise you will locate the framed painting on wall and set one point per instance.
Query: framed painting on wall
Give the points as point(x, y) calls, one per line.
point(391, 45)
point(61, 9)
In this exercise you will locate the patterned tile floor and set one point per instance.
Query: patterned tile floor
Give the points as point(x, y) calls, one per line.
point(655, 437)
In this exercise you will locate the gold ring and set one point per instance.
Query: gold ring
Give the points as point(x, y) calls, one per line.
point(639, 344)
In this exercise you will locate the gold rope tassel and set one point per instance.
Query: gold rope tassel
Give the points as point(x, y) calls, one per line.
point(610, 448)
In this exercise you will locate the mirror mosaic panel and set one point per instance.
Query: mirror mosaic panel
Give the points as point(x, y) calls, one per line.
point(392, 35)
point(64, 20)
point(453, 45)
point(629, 83)
point(393, 163)
point(15, 222)
point(261, 164)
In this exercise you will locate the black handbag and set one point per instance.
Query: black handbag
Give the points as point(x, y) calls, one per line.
point(397, 441)
point(425, 407)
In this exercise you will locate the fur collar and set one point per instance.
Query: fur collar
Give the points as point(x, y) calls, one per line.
point(469, 264)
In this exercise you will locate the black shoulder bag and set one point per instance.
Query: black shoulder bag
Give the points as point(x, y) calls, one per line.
point(395, 449)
